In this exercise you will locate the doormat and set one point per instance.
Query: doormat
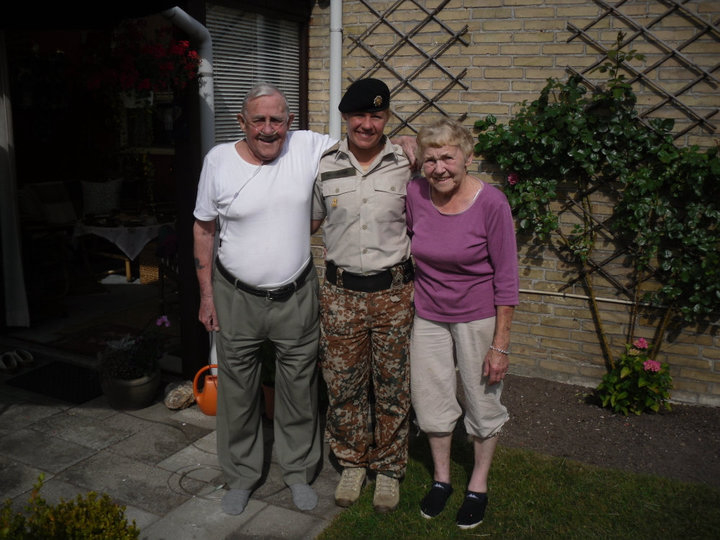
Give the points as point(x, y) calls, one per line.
point(59, 380)
point(92, 340)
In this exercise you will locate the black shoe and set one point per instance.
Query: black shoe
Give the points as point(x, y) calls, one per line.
point(434, 502)
point(472, 511)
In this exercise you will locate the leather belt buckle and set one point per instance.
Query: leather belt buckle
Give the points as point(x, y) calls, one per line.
point(393, 277)
point(398, 275)
point(279, 295)
point(276, 295)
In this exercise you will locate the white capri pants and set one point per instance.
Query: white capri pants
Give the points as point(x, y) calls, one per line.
point(435, 350)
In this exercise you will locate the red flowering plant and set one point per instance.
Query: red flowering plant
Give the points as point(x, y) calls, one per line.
point(636, 383)
point(142, 60)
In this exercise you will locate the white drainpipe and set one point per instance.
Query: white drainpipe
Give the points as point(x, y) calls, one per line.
point(335, 66)
point(192, 27)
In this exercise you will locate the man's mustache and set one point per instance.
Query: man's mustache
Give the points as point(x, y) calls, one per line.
point(272, 137)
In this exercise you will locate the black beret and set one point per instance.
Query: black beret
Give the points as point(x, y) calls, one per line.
point(365, 95)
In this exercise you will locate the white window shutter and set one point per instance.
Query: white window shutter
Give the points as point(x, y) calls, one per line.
point(249, 48)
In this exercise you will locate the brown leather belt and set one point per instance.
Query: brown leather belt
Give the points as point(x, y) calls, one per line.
point(395, 276)
point(280, 294)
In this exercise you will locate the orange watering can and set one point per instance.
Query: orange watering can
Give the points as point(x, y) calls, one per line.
point(206, 397)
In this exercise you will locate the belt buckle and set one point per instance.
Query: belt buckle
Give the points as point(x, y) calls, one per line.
point(280, 294)
point(398, 275)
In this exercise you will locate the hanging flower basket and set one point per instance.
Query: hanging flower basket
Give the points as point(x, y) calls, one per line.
point(141, 61)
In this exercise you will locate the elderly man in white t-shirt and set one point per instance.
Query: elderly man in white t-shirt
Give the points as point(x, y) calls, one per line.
point(255, 196)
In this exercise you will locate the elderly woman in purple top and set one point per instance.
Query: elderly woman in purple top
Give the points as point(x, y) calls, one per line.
point(466, 290)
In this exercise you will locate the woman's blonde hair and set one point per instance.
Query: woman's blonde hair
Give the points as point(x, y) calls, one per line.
point(445, 132)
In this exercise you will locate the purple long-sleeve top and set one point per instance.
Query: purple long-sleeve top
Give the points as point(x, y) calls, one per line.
point(466, 263)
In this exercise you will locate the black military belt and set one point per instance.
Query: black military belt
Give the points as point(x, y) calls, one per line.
point(395, 276)
point(280, 294)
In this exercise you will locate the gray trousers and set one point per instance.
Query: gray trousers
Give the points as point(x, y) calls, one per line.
point(246, 321)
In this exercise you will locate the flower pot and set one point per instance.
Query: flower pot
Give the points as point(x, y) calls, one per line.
point(131, 394)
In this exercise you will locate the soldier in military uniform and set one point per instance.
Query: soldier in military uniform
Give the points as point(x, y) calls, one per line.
point(366, 299)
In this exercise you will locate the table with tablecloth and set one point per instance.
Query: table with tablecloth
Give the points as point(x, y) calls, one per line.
point(129, 239)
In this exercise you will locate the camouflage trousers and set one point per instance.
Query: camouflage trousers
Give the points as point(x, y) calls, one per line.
point(364, 341)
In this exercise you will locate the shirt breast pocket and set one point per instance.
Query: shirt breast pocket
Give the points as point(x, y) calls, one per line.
point(338, 187)
point(390, 195)
point(390, 185)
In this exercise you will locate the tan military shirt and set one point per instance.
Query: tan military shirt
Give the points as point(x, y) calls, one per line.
point(364, 210)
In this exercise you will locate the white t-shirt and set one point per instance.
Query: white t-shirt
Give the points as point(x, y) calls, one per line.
point(264, 210)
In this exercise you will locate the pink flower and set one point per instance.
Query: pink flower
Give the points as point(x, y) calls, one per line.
point(513, 179)
point(651, 365)
point(640, 343)
point(163, 321)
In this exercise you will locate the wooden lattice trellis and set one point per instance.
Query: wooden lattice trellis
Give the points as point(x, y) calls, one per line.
point(667, 98)
point(382, 60)
point(668, 51)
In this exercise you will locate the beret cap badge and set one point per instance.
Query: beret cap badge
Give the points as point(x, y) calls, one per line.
point(365, 95)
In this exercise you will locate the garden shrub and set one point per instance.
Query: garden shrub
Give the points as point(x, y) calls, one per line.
point(87, 517)
point(636, 383)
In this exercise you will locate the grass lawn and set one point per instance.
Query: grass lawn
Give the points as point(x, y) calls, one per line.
point(537, 496)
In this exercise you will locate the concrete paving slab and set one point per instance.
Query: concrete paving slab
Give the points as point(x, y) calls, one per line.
point(127, 421)
point(129, 482)
point(195, 462)
point(84, 430)
point(208, 443)
point(45, 452)
point(278, 522)
point(16, 414)
point(157, 412)
point(158, 441)
point(207, 474)
point(54, 490)
point(193, 415)
point(95, 408)
point(201, 519)
point(16, 478)
point(142, 519)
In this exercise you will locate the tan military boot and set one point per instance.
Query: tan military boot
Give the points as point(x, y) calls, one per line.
point(350, 485)
point(387, 493)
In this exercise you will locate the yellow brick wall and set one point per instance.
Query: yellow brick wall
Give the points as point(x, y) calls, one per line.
point(513, 47)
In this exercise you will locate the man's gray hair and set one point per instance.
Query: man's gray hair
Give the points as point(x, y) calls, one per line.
point(262, 90)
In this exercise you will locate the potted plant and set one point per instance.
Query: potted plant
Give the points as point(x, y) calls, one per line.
point(130, 368)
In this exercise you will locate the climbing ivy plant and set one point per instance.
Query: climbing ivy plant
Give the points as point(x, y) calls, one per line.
point(572, 142)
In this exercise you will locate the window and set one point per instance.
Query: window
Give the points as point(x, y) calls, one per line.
point(249, 48)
